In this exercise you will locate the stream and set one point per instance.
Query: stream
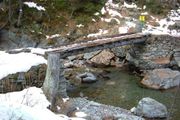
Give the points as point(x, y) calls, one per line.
point(122, 89)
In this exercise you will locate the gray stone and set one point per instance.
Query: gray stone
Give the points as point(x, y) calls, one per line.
point(177, 57)
point(86, 77)
point(90, 55)
point(97, 111)
point(103, 58)
point(150, 108)
point(161, 79)
point(119, 51)
point(71, 58)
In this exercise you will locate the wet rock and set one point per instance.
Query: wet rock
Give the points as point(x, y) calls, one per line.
point(86, 77)
point(161, 79)
point(103, 58)
point(150, 108)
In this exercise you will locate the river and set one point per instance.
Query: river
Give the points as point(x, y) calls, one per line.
point(122, 89)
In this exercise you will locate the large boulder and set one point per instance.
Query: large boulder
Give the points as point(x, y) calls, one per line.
point(161, 79)
point(97, 111)
point(150, 108)
point(104, 58)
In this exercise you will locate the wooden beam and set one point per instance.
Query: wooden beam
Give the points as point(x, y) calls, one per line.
point(99, 44)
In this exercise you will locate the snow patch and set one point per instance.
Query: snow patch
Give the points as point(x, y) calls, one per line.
point(80, 114)
point(101, 32)
point(29, 104)
point(133, 5)
point(34, 5)
point(52, 36)
point(21, 62)
point(80, 25)
point(123, 29)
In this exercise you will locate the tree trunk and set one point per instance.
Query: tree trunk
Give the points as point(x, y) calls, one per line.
point(54, 86)
point(20, 13)
point(9, 12)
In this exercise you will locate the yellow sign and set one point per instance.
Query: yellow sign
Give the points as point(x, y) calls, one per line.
point(142, 18)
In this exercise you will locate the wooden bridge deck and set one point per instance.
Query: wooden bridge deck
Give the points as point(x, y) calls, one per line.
point(99, 44)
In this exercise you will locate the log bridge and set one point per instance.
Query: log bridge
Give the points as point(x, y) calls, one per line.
point(55, 84)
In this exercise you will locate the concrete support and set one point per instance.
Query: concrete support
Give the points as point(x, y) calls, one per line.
point(54, 85)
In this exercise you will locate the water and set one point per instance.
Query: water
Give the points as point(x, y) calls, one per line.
point(123, 90)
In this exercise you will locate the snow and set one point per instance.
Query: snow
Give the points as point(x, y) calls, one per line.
point(52, 36)
point(29, 104)
point(80, 114)
point(101, 32)
point(110, 19)
point(130, 24)
point(114, 13)
point(96, 14)
point(39, 51)
point(34, 5)
point(65, 99)
point(22, 112)
point(133, 5)
point(21, 62)
point(103, 11)
point(123, 29)
point(144, 7)
point(80, 25)
point(93, 20)
point(144, 13)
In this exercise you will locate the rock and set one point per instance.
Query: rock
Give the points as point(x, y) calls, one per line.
point(161, 79)
point(157, 52)
point(103, 58)
point(71, 58)
point(131, 59)
point(97, 111)
point(86, 77)
point(177, 57)
point(119, 51)
point(68, 64)
point(74, 63)
point(12, 40)
point(88, 56)
point(150, 108)
point(162, 60)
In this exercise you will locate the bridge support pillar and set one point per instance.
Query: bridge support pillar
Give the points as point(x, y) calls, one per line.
point(54, 86)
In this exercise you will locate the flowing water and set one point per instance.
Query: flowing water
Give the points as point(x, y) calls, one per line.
point(122, 89)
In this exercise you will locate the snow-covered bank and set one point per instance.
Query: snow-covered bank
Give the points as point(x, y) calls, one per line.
point(29, 104)
point(21, 62)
